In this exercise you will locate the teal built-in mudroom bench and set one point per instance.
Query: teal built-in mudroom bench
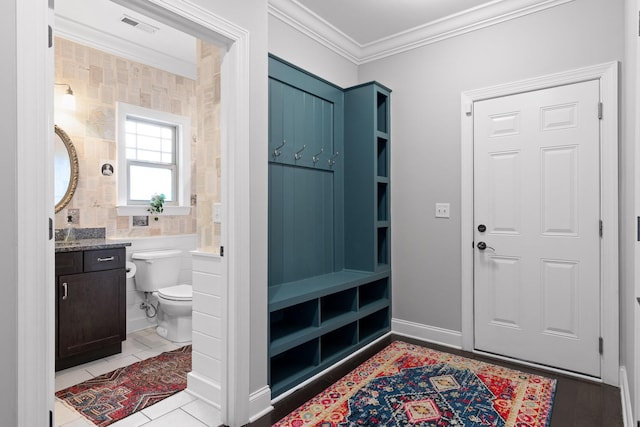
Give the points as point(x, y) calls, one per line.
point(329, 224)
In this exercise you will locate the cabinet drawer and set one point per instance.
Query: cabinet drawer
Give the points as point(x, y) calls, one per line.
point(104, 259)
point(68, 263)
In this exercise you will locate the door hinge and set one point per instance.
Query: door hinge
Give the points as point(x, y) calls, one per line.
point(50, 36)
point(221, 250)
point(600, 345)
point(600, 109)
point(50, 418)
point(601, 228)
point(50, 229)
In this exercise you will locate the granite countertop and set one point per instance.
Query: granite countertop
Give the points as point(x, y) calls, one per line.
point(85, 239)
point(88, 244)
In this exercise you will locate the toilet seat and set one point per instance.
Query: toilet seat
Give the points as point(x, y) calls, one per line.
point(176, 293)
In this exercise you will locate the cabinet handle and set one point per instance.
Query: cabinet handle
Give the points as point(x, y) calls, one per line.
point(109, 258)
point(64, 291)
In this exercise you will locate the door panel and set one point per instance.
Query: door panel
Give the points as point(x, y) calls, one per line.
point(536, 188)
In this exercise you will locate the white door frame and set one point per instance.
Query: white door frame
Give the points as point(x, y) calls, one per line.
point(607, 74)
point(35, 321)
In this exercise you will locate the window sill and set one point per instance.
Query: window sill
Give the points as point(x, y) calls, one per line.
point(142, 210)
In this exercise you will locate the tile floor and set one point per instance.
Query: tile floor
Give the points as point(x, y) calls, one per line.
point(181, 409)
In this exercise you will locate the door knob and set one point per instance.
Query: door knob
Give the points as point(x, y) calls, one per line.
point(482, 228)
point(482, 246)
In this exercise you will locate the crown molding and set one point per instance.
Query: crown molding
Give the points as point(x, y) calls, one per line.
point(89, 36)
point(299, 17)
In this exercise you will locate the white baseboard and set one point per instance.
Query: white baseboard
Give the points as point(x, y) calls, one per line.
point(432, 334)
point(260, 403)
point(204, 389)
point(625, 397)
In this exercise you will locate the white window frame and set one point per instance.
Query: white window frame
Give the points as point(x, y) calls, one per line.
point(182, 205)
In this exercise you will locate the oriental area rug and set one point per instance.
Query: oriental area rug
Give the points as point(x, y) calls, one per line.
point(409, 385)
point(110, 397)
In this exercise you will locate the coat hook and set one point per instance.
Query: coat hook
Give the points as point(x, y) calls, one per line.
point(298, 156)
point(332, 160)
point(316, 157)
point(278, 150)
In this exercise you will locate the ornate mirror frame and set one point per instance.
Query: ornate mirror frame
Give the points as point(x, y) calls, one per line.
point(73, 162)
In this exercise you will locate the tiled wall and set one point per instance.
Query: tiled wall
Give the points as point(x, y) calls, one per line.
point(99, 80)
point(208, 158)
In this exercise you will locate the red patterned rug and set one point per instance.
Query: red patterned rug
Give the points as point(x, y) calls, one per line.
point(110, 397)
point(409, 385)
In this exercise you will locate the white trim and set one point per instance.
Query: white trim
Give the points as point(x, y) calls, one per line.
point(298, 16)
point(204, 389)
point(432, 334)
point(625, 398)
point(260, 403)
point(607, 74)
point(34, 206)
point(88, 36)
point(236, 211)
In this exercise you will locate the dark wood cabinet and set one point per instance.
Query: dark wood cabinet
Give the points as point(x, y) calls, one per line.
point(90, 305)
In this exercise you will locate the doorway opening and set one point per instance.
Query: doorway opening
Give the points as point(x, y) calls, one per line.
point(218, 33)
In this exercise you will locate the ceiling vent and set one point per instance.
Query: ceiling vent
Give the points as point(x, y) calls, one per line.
point(138, 24)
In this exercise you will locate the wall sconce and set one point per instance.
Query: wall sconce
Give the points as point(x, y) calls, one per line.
point(68, 99)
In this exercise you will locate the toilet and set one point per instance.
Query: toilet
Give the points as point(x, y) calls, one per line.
point(157, 272)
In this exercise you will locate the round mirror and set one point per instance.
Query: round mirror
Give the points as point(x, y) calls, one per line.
point(65, 169)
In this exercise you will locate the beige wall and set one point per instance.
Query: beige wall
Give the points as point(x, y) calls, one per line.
point(99, 80)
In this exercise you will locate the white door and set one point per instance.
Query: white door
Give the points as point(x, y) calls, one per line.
point(537, 192)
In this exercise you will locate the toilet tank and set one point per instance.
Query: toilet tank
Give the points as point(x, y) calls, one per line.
point(156, 269)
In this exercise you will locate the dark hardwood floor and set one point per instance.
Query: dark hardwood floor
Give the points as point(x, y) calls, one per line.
point(577, 403)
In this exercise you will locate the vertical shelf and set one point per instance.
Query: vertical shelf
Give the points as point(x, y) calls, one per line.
point(382, 109)
point(383, 246)
point(382, 202)
point(383, 158)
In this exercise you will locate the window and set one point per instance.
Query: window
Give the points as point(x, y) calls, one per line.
point(153, 157)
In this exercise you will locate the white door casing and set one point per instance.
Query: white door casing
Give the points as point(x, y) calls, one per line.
point(536, 190)
point(607, 77)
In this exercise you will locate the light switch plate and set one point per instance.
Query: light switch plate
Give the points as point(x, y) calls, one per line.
point(442, 210)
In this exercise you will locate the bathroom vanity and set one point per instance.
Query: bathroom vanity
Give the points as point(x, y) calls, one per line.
point(90, 300)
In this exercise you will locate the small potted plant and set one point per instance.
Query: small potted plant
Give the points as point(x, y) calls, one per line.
point(156, 205)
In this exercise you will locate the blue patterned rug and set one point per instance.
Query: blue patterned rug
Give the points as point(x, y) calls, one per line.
point(409, 385)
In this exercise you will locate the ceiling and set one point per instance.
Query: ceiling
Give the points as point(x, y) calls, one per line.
point(367, 21)
point(359, 30)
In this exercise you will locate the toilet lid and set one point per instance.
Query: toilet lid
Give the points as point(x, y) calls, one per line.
point(177, 293)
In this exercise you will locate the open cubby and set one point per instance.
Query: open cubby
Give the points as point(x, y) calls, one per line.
point(383, 204)
point(338, 304)
point(293, 319)
point(383, 246)
point(336, 342)
point(328, 221)
point(374, 324)
point(373, 292)
point(383, 162)
point(293, 362)
point(382, 112)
